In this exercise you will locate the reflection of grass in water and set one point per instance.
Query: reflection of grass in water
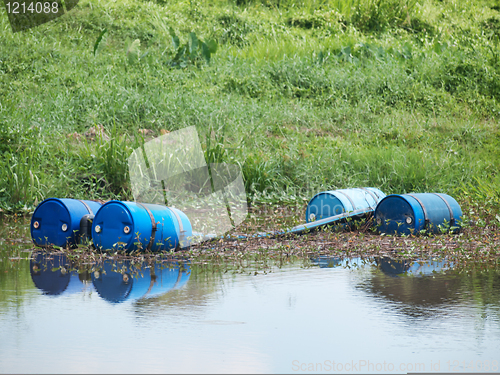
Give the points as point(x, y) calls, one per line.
point(475, 249)
point(474, 281)
point(475, 254)
point(15, 249)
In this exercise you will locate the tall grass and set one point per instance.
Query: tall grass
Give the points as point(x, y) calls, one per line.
point(311, 95)
point(21, 184)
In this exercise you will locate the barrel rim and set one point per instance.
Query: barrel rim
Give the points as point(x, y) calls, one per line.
point(326, 193)
point(120, 203)
point(70, 238)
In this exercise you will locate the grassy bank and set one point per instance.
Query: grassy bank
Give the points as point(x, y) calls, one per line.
point(305, 96)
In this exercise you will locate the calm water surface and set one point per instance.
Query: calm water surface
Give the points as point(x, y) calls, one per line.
point(335, 316)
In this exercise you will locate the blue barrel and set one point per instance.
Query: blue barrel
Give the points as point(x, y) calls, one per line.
point(57, 221)
point(336, 202)
point(124, 282)
point(140, 226)
point(414, 213)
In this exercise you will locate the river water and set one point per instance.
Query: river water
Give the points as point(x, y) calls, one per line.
point(331, 316)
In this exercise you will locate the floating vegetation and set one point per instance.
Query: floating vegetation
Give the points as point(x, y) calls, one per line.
point(477, 247)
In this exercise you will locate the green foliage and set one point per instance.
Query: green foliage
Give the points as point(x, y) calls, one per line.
point(365, 15)
point(306, 21)
point(483, 193)
point(99, 40)
point(112, 159)
point(20, 183)
point(191, 52)
point(215, 151)
point(232, 29)
point(304, 95)
point(133, 51)
point(377, 15)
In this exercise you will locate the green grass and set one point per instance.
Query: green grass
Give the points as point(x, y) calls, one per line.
point(305, 96)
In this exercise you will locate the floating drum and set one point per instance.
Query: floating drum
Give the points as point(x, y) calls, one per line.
point(139, 226)
point(57, 221)
point(413, 213)
point(331, 203)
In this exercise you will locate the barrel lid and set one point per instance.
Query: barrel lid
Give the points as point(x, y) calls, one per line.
point(324, 204)
point(113, 226)
point(399, 214)
point(51, 223)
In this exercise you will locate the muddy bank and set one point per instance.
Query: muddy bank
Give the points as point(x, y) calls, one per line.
point(477, 246)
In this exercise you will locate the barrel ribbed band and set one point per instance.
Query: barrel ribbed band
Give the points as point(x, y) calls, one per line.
point(153, 280)
point(452, 218)
point(86, 206)
point(378, 196)
point(181, 228)
point(375, 197)
point(348, 197)
point(153, 226)
point(426, 217)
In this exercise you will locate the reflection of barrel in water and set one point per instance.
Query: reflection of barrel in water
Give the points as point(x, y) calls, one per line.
point(425, 286)
point(329, 261)
point(114, 281)
point(117, 282)
point(325, 261)
point(51, 274)
point(416, 267)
